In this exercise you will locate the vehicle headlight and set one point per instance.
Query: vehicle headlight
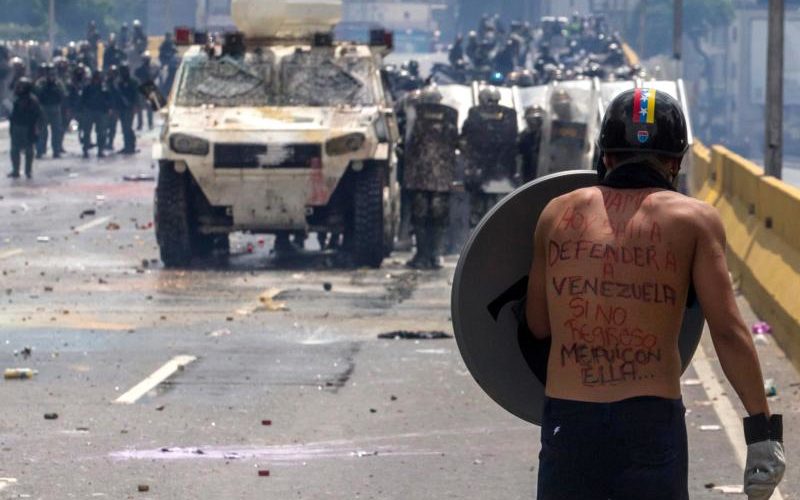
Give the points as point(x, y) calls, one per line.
point(188, 145)
point(349, 143)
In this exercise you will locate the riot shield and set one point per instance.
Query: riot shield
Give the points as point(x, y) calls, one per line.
point(489, 288)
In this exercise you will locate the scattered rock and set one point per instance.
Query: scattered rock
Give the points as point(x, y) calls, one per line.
point(373, 410)
point(393, 398)
point(263, 473)
point(88, 213)
point(51, 416)
point(223, 332)
point(144, 488)
point(327, 286)
point(160, 408)
point(112, 226)
point(266, 422)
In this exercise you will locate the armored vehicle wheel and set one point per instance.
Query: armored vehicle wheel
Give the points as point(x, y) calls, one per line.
point(172, 217)
point(368, 222)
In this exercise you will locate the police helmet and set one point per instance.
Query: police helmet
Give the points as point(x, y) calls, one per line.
point(489, 96)
point(644, 121)
point(17, 63)
point(24, 86)
point(430, 95)
point(534, 116)
point(137, 23)
point(521, 79)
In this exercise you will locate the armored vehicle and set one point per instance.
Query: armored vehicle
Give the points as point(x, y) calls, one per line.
point(278, 130)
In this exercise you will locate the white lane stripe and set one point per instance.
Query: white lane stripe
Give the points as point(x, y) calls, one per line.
point(6, 481)
point(10, 253)
point(158, 376)
point(92, 223)
point(728, 416)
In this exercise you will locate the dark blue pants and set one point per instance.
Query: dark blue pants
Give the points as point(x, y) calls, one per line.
point(634, 449)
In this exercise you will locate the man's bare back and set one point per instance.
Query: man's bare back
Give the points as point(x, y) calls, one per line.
point(617, 266)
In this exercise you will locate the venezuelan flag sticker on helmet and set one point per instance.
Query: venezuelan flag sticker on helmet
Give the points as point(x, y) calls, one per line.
point(644, 121)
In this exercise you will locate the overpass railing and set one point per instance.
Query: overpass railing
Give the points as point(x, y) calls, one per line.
point(762, 220)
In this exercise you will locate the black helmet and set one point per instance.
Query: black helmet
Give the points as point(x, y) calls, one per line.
point(644, 121)
point(23, 87)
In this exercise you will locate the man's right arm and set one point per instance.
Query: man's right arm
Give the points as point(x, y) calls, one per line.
point(732, 341)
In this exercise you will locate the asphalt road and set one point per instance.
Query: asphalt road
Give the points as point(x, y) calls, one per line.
point(349, 415)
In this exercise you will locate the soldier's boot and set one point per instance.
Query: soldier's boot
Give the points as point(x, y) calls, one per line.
point(15, 160)
point(29, 162)
point(420, 259)
point(436, 235)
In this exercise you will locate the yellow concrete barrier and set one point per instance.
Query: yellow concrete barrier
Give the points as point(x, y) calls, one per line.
point(762, 220)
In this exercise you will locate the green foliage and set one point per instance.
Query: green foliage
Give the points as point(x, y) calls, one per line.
point(699, 18)
point(29, 18)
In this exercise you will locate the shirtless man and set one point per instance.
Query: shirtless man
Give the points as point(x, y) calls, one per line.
point(612, 271)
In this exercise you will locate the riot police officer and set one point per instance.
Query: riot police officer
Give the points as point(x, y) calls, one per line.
point(530, 143)
point(52, 95)
point(75, 86)
point(23, 126)
point(113, 55)
point(167, 56)
point(489, 144)
point(145, 73)
point(128, 99)
point(113, 116)
point(429, 172)
point(139, 38)
point(96, 106)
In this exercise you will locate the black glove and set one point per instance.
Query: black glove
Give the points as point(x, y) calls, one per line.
point(766, 461)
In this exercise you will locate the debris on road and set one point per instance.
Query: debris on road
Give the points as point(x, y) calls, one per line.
point(761, 339)
point(266, 422)
point(143, 488)
point(51, 416)
point(769, 388)
point(138, 178)
point(88, 213)
point(327, 286)
point(761, 327)
point(691, 382)
point(25, 352)
point(112, 226)
point(267, 300)
point(737, 489)
point(710, 427)
point(223, 332)
point(19, 373)
point(43, 239)
point(408, 335)
point(263, 473)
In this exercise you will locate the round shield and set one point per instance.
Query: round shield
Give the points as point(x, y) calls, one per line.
point(489, 289)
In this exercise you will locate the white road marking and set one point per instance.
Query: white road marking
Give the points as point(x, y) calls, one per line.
point(728, 416)
point(158, 376)
point(92, 223)
point(6, 481)
point(10, 253)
